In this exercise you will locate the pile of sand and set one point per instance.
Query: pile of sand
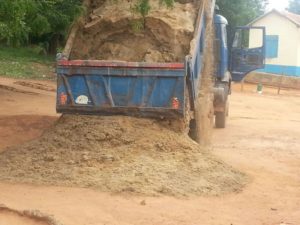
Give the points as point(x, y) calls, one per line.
point(110, 33)
point(117, 154)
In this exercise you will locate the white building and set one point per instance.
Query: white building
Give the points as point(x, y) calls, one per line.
point(282, 42)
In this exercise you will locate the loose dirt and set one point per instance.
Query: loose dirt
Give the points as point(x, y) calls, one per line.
point(18, 129)
point(113, 32)
point(262, 140)
point(25, 100)
point(117, 154)
point(205, 112)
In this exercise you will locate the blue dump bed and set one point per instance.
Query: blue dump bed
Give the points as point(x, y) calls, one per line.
point(102, 87)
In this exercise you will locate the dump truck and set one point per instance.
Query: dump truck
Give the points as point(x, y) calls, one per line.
point(163, 90)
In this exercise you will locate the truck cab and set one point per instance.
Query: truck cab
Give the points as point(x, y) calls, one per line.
point(233, 63)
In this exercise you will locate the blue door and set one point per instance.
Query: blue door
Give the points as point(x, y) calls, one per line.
point(248, 51)
point(272, 46)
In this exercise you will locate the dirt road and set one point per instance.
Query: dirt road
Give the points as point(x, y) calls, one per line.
point(25, 111)
point(262, 140)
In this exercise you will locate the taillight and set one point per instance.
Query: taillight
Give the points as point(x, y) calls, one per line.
point(63, 98)
point(175, 103)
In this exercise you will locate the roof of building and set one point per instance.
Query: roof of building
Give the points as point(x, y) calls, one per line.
point(294, 18)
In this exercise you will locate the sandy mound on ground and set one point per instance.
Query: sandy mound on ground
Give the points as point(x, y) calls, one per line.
point(117, 154)
point(110, 33)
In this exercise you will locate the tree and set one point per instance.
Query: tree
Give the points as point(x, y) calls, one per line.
point(13, 29)
point(294, 6)
point(240, 12)
point(37, 21)
point(49, 20)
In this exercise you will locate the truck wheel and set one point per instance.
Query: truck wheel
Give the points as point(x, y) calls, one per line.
point(193, 132)
point(227, 109)
point(220, 119)
point(195, 126)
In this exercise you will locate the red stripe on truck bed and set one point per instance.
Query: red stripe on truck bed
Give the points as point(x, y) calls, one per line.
point(102, 63)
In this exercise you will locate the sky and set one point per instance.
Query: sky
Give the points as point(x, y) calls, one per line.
point(278, 4)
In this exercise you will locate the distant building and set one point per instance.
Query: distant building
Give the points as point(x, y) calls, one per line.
point(282, 42)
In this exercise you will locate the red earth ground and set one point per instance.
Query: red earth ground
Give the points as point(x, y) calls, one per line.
point(262, 140)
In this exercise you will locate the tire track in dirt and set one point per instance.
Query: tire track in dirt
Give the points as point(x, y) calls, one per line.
point(27, 217)
point(36, 85)
point(13, 89)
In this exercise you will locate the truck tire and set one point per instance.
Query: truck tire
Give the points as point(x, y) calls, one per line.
point(201, 124)
point(194, 132)
point(195, 124)
point(220, 119)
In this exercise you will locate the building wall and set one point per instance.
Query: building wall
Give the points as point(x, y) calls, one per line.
point(288, 60)
point(299, 46)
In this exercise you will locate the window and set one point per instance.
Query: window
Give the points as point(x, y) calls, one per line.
point(224, 30)
point(272, 46)
point(248, 38)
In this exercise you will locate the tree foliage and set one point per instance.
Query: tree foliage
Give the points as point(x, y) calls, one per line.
point(46, 22)
point(13, 28)
point(241, 12)
point(25, 22)
point(294, 6)
point(30, 21)
point(142, 8)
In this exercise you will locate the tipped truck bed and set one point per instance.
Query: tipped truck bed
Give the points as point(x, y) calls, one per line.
point(130, 88)
point(104, 87)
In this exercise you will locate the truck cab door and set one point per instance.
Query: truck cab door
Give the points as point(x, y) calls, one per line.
point(247, 52)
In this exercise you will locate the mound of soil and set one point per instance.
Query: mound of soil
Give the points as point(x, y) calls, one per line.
point(117, 154)
point(113, 32)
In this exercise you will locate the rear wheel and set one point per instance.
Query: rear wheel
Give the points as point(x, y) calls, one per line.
point(192, 123)
point(195, 128)
point(221, 117)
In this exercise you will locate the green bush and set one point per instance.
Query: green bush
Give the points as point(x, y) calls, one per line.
point(24, 22)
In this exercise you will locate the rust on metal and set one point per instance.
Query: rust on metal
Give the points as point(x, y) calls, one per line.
point(119, 64)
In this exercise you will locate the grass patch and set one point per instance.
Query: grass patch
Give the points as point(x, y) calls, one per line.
point(25, 63)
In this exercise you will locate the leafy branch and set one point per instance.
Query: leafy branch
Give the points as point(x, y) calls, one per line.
point(142, 8)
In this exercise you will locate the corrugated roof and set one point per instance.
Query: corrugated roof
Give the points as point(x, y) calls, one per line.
point(294, 18)
point(291, 16)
